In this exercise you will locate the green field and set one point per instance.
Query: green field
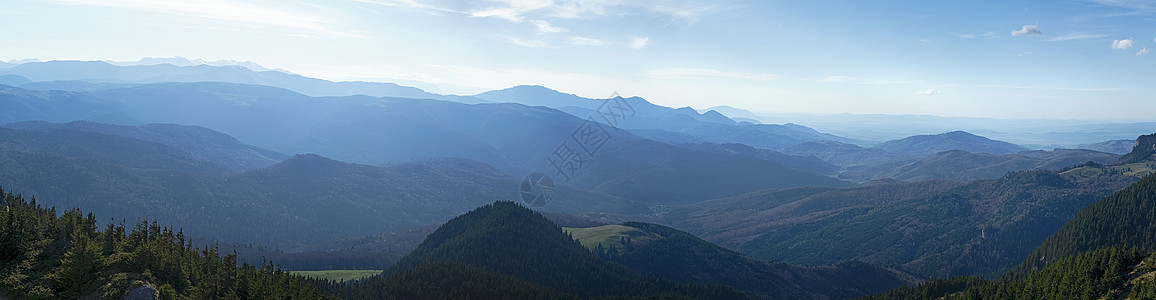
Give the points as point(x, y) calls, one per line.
point(609, 234)
point(1133, 169)
point(338, 275)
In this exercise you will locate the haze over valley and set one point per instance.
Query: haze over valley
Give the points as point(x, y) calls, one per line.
point(381, 149)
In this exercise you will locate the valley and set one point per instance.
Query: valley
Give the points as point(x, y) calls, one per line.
point(368, 190)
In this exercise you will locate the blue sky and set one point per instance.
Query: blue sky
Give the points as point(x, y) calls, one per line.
point(1078, 59)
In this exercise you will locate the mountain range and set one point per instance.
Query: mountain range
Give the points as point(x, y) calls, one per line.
point(319, 175)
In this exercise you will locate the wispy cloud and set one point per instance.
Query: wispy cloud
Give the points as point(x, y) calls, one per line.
point(1143, 51)
point(585, 41)
point(1054, 88)
point(544, 27)
point(638, 42)
point(528, 43)
point(984, 36)
point(1075, 36)
point(1025, 53)
point(929, 92)
point(849, 79)
point(414, 5)
point(230, 11)
point(517, 10)
point(1124, 44)
point(837, 79)
point(698, 73)
point(1147, 5)
point(1028, 30)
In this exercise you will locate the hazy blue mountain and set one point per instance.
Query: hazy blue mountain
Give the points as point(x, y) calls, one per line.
point(266, 116)
point(13, 80)
point(515, 138)
point(931, 229)
point(655, 173)
point(734, 112)
point(73, 145)
point(965, 166)
point(844, 154)
point(923, 145)
point(535, 95)
point(18, 104)
point(710, 126)
point(304, 200)
point(74, 85)
point(1113, 146)
point(1031, 133)
point(801, 163)
point(199, 142)
point(1144, 150)
point(103, 72)
point(520, 139)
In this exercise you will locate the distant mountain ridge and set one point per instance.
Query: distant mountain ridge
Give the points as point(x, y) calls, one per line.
point(921, 145)
point(199, 142)
point(962, 166)
point(104, 72)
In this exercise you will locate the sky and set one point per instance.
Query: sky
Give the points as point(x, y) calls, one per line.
point(1059, 59)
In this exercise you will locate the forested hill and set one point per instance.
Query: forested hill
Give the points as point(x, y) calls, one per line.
point(506, 250)
point(1105, 251)
point(669, 253)
point(46, 256)
point(1125, 218)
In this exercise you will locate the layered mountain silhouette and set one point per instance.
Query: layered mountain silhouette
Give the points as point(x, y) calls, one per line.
point(959, 165)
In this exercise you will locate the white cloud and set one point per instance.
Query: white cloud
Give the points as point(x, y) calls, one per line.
point(1129, 4)
point(1122, 44)
point(929, 92)
point(698, 73)
point(528, 43)
point(517, 10)
point(638, 42)
point(987, 35)
point(1075, 36)
point(585, 41)
point(1143, 51)
point(1054, 88)
point(1025, 53)
point(1028, 30)
point(891, 82)
point(411, 4)
point(230, 11)
point(837, 79)
point(544, 27)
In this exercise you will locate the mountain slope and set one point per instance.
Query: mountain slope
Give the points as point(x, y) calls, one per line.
point(1114, 146)
point(965, 166)
point(1125, 218)
point(930, 229)
point(201, 143)
point(656, 173)
point(671, 254)
point(923, 145)
point(513, 241)
point(297, 202)
point(109, 149)
point(18, 104)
